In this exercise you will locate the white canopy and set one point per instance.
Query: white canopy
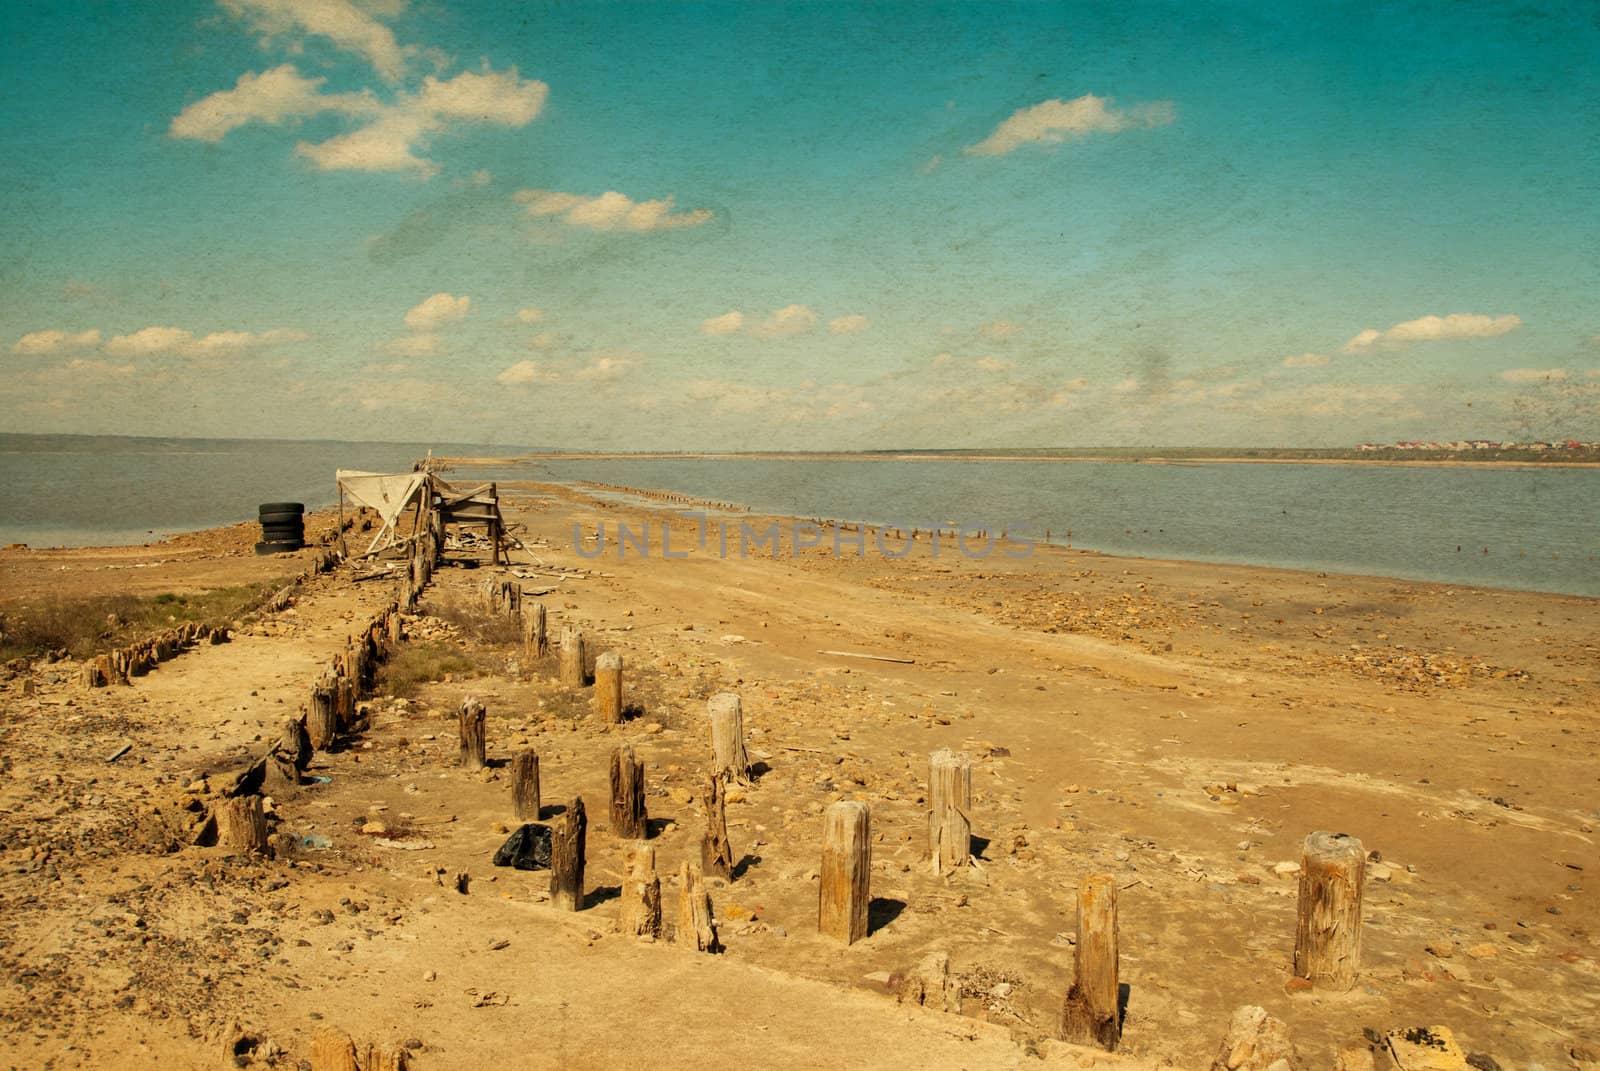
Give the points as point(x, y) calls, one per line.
point(387, 493)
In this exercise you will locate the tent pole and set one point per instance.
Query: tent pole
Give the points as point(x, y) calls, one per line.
point(343, 550)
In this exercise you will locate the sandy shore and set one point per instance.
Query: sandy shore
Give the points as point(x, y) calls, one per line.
point(1179, 726)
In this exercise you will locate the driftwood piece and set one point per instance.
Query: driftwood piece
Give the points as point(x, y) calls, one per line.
point(525, 786)
point(629, 821)
point(474, 745)
point(729, 759)
point(696, 926)
point(567, 845)
point(1090, 1013)
point(608, 688)
point(1327, 946)
point(641, 892)
point(949, 809)
point(844, 894)
point(716, 854)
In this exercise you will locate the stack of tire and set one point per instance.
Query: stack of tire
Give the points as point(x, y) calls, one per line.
point(283, 527)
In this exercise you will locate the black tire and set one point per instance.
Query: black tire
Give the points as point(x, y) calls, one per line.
point(272, 533)
point(282, 516)
point(282, 507)
point(283, 547)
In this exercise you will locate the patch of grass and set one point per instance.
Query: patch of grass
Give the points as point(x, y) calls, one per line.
point(417, 664)
point(477, 624)
point(86, 627)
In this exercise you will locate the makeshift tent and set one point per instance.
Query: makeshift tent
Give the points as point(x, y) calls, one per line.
point(387, 494)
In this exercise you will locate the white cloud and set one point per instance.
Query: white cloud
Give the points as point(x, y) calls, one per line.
point(849, 325)
point(992, 364)
point(1305, 360)
point(1000, 330)
point(340, 21)
point(39, 343)
point(500, 97)
point(435, 312)
point(1053, 121)
point(610, 211)
point(274, 97)
point(385, 144)
point(1534, 375)
point(787, 322)
point(175, 341)
point(530, 315)
point(413, 346)
point(726, 324)
point(523, 373)
point(606, 367)
point(1434, 328)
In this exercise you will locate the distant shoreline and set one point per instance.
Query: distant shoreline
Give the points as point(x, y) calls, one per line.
point(1144, 459)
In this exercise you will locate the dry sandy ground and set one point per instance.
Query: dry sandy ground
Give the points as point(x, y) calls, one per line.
point(1180, 726)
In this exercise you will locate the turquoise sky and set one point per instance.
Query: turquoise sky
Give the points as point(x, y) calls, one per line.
point(764, 225)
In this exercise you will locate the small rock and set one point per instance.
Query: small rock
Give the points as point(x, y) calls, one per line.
point(429, 975)
point(1441, 949)
point(1286, 869)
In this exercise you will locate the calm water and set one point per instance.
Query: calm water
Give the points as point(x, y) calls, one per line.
point(1539, 525)
point(83, 490)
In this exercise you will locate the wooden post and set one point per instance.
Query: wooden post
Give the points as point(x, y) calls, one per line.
point(846, 871)
point(1327, 944)
point(695, 923)
point(572, 657)
point(286, 758)
point(241, 825)
point(535, 644)
point(727, 738)
point(332, 1050)
point(566, 857)
point(1089, 1014)
point(474, 746)
point(322, 720)
point(92, 675)
point(525, 786)
point(641, 892)
point(628, 818)
point(608, 688)
point(716, 855)
point(949, 809)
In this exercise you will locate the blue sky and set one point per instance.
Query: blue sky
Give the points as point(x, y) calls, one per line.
point(819, 225)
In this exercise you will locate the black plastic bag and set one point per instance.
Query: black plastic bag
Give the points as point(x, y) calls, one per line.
point(526, 849)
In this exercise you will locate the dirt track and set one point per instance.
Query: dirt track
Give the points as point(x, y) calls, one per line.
point(1108, 704)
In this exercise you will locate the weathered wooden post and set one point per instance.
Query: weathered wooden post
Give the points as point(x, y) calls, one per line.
point(567, 842)
point(572, 657)
point(332, 1050)
point(949, 809)
point(628, 818)
point(1089, 1013)
point(846, 871)
point(241, 825)
point(474, 745)
point(608, 688)
point(716, 854)
point(727, 738)
point(641, 892)
point(285, 759)
point(525, 785)
point(1327, 945)
point(322, 720)
point(92, 675)
point(695, 924)
point(535, 644)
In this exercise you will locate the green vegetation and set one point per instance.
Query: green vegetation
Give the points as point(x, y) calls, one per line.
point(416, 664)
point(89, 626)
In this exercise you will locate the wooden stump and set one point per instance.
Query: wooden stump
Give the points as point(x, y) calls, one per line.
point(846, 871)
point(608, 688)
point(567, 842)
point(474, 746)
point(641, 892)
point(716, 854)
point(1327, 945)
point(241, 825)
point(287, 758)
point(92, 675)
point(573, 670)
point(345, 692)
point(525, 786)
point(322, 720)
point(695, 924)
point(628, 818)
point(535, 643)
point(727, 738)
point(332, 1050)
point(1089, 1013)
point(929, 985)
point(949, 809)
